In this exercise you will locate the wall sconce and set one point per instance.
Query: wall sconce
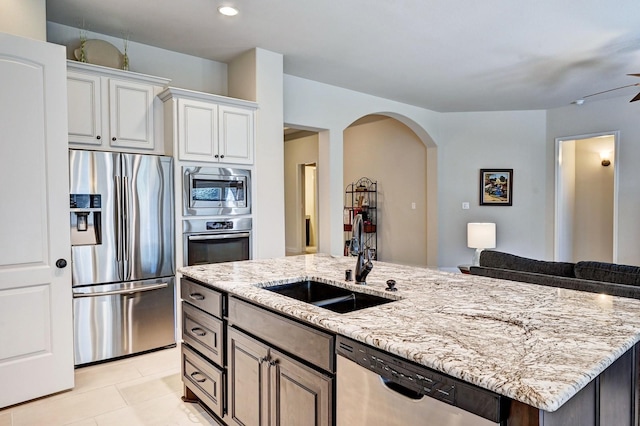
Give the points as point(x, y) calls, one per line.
point(480, 236)
point(604, 156)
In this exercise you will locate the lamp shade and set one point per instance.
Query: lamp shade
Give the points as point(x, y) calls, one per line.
point(481, 235)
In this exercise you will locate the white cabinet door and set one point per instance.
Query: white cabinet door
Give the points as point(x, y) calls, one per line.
point(236, 135)
point(197, 133)
point(36, 331)
point(85, 109)
point(209, 128)
point(131, 114)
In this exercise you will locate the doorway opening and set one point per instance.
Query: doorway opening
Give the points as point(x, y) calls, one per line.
point(301, 191)
point(586, 198)
point(309, 187)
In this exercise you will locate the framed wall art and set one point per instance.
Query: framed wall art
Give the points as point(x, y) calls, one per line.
point(496, 187)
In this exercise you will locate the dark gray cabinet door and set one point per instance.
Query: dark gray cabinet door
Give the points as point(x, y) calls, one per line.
point(248, 380)
point(299, 395)
point(266, 387)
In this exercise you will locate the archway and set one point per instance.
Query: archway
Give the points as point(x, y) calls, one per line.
point(389, 152)
point(330, 128)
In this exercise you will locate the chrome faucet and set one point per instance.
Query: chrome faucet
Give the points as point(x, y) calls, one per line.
point(363, 264)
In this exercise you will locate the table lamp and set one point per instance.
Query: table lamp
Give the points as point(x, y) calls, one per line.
point(480, 236)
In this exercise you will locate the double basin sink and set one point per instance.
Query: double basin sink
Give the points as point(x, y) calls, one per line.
point(327, 296)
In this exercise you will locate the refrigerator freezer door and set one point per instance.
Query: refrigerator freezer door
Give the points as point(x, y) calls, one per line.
point(148, 228)
point(114, 320)
point(97, 173)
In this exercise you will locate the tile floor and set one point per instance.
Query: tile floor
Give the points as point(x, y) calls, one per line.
point(142, 390)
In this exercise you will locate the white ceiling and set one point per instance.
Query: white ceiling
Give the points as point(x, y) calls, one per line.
point(444, 55)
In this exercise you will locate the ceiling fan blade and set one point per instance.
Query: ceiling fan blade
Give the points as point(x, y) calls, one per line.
point(634, 75)
point(636, 98)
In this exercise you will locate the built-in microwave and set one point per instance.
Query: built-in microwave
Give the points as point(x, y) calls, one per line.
point(215, 191)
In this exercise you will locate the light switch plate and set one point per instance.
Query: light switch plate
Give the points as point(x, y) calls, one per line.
point(465, 205)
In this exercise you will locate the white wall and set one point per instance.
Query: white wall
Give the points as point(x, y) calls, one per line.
point(567, 199)
point(466, 142)
point(25, 18)
point(330, 110)
point(473, 141)
point(390, 153)
point(185, 71)
point(600, 117)
point(262, 71)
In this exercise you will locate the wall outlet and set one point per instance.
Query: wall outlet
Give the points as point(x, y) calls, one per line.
point(413, 206)
point(465, 205)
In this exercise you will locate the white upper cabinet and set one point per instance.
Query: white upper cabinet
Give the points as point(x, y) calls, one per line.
point(209, 128)
point(84, 107)
point(114, 110)
point(235, 134)
point(197, 132)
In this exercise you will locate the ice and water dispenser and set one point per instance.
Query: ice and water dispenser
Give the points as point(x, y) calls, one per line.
point(86, 227)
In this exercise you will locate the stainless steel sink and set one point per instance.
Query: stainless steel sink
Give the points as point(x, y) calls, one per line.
point(336, 299)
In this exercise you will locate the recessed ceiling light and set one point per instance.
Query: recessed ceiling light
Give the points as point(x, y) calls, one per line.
point(228, 10)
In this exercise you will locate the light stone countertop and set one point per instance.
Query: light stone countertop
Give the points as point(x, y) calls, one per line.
point(535, 344)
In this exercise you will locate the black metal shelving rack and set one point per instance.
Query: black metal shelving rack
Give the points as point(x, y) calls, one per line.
point(361, 196)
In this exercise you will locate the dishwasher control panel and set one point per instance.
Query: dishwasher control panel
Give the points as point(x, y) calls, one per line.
point(424, 381)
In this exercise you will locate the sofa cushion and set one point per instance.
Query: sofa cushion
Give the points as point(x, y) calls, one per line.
point(497, 259)
point(608, 272)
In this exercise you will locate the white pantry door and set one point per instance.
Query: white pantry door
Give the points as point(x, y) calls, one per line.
point(36, 328)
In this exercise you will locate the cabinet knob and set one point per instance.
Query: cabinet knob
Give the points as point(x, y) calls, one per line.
point(222, 156)
point(113, 138)
point(216, 156)
point(98, 137)
point(61, 263)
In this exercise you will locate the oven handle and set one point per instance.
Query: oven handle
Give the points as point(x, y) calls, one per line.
point(219, 236)
point(124, 291)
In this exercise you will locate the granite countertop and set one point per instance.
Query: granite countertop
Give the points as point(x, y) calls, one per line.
point(535, 344)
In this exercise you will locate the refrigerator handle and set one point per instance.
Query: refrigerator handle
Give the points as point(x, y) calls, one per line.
point(127, 228)
point(118, 220)
point(127, 291)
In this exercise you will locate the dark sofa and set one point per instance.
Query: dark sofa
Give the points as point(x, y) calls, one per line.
point(595, 277)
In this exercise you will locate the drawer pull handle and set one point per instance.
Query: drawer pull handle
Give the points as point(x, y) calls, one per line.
point(196, 296)
point(198, 331)
point(197, 373)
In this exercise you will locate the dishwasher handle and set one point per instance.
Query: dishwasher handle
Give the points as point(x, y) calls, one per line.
point(123, 291)
point(397, 388)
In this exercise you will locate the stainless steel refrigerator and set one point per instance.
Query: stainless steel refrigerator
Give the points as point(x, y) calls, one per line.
point(123, 254)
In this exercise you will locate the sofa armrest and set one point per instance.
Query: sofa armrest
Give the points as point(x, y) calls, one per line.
point(612, 289)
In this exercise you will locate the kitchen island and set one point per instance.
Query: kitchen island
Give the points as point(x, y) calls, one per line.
point(534, 344)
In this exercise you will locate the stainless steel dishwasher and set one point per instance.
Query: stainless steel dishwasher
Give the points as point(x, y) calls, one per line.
point(375, 388)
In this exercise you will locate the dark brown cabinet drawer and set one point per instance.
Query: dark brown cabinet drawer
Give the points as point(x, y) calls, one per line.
point(203, 297)
point(307, 343)
point(203, 332)
point(204, 380)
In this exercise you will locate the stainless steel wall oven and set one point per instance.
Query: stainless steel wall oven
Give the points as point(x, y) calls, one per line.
point(216, 240)
point(216, 191)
